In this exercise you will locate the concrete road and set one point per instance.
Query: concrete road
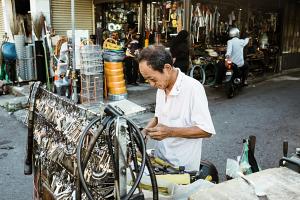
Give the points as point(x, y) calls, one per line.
point(269, 110)
point(14, 185)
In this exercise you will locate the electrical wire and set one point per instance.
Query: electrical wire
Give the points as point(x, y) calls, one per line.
point(133, 155)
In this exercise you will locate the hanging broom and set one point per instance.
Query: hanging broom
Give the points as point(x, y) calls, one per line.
point(38, 27)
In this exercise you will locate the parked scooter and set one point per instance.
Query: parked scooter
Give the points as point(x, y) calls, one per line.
point(233, 79)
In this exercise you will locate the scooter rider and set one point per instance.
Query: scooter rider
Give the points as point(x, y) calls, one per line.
point(235, 47)
point(235, 52)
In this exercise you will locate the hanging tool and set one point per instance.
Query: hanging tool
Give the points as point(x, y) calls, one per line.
point(48, 39)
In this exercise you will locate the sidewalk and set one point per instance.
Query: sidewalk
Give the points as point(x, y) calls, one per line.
point(141, 99)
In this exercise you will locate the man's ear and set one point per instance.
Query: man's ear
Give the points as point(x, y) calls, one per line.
point(168, 67)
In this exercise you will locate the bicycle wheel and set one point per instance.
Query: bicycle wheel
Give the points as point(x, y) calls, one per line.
point(198, 73)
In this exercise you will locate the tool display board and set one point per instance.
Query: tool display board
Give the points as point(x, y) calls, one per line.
point(57, 126)
point(78, 154)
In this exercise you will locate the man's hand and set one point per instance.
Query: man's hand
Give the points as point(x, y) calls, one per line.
point(151, 123)
point(159, 132)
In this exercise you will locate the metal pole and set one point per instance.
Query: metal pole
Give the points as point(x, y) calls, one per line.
point(141, 22)
point(187, 20)
point(121, 149)
point(187, 14)
point(74, 77)
point(78, 185)
point(73, 33)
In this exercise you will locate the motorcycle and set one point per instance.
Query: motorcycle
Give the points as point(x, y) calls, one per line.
point(233, 79)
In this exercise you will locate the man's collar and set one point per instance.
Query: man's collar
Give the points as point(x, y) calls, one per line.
point(177, 85)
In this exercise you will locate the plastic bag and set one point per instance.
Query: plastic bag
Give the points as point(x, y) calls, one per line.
point(246, 163)
point(245, 167)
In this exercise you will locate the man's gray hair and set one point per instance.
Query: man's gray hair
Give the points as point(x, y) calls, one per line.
point(156, 57)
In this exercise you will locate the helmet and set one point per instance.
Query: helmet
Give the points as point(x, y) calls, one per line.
point(234, 32)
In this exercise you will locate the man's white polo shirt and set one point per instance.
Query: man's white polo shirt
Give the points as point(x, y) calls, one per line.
point(185, 106)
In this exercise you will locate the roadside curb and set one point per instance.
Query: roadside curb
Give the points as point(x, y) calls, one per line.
point(20, 91)
point(13, 103)
point(216, 93)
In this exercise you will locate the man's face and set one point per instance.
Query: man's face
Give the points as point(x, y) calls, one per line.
point(156, 78)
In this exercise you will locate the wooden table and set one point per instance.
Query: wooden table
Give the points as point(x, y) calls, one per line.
point(278, 183)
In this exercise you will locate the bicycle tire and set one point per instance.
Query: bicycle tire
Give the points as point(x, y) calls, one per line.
point(210, 74)
point(200, 76)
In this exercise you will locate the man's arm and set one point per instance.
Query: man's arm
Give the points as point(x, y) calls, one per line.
point(245, 41)
point(190, 132)
point(229, 49)
point(161, 132)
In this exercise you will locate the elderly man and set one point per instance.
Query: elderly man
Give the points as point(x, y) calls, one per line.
point(182, 117)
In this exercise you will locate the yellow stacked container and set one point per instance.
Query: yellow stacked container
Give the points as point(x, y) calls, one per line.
point(113, 72)
point(115, 79)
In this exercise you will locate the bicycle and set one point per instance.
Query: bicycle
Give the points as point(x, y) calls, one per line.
point(197, 72)
point(205, 71)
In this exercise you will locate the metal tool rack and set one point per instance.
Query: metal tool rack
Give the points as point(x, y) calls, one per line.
point(64, 134)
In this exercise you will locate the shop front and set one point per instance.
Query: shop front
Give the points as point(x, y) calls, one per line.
point(116, 17)
point(139, 24)
point(290, 41)
point(156, 21)
point(272, 25)
point(209, 22)
point(212, 20)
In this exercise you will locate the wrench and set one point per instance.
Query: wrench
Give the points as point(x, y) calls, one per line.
point(64, 193)
point(57, 188)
